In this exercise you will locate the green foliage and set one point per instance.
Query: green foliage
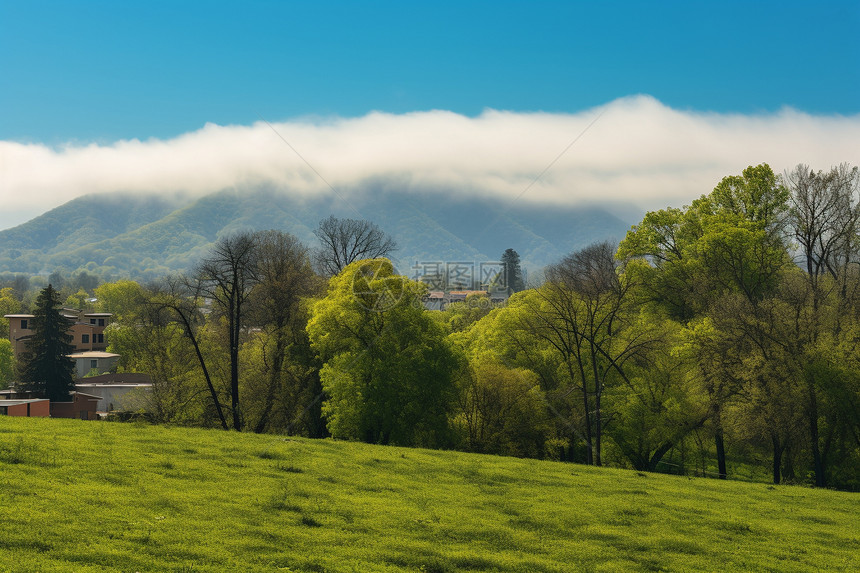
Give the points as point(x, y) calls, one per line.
point(79, 300)
point(503, 411)
point(9, 304)
point(388, 370)
point(461, 315)
point(7, 363)
point(123, 298)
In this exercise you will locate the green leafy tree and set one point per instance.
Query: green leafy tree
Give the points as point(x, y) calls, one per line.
point(730, 242)
point(79, 300)
point(7, 365)
point(388, 370)
point(9, 304)
point(45, 367)
point(122, 298)
point(503, 411)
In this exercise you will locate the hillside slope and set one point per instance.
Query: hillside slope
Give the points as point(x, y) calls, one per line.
point(84, 496)
point(146, 236)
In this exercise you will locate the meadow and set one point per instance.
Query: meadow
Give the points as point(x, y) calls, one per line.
point(97, 496)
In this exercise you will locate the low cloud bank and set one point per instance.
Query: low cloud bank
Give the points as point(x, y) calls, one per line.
point(633, 150)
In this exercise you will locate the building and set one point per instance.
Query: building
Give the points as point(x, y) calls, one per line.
point(29, 407)
point(101, 362)
point(439, 300)
point(118, 392)
point(86, 328)
point(81, 406)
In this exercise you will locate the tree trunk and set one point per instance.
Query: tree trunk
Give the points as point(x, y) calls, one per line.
point(209, 385)
point(721, 453)
point(234, 371)
point(720, 443)
point(777, 457)
point(658, 455)
point(812, 412)
point(274, 378)
point(787, 464)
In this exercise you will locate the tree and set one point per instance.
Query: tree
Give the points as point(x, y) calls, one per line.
point(343, 241)
point(45, 367)
point(122, 298)
point(513, 272)
point(284, 279)
point(824, 217)
point(79, 300)
point(158, 331)
point(227, 277)
point(9, 304)
point(388, 370)
point(730, 242)
point(503, 411)
point(7, 368)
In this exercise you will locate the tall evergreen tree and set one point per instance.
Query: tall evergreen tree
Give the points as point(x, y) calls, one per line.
point(513, 272)
point(45, 367)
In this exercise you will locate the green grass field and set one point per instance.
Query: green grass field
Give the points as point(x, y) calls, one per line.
point(90, 496)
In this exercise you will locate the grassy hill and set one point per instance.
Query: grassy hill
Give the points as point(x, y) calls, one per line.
point(79, 496)
point(148, 236)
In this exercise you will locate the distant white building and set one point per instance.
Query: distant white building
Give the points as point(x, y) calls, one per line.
point(118, 392)
point(85, 362)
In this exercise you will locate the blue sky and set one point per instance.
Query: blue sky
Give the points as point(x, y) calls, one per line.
point(102, 71)
point(661, 98)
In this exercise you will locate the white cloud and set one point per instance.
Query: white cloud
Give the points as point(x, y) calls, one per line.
point(638, 152)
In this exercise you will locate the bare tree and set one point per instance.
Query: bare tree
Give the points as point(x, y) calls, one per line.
point(579, 312)
point(227, 277)
point(346, 240)
point(824, 217)
point(284, 277)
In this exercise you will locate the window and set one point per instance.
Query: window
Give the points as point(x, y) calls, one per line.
point(4, 410)
point(92, 321)
point(101, 322)
point(94, 363)
point(98, 338)
point(24, 324)
point(85, 339)
point(84, 415)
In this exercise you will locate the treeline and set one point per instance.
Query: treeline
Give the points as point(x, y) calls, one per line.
point(719, 339)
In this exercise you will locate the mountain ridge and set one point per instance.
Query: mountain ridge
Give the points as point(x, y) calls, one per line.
point(144, 236)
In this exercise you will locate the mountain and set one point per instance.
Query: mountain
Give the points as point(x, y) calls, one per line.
point(147, 236)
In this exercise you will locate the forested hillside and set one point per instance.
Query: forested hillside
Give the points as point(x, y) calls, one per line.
point(145, 237)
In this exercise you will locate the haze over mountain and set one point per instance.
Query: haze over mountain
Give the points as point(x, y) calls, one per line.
point(147, 235)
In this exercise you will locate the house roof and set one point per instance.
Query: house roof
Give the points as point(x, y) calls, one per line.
point(91, 397)
point(85, 385)
point(98, 314)
point(18, 402)
point(93, 354)
point(19, 316)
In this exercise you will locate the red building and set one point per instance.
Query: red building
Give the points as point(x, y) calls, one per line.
point(30, 408)
point(82, 406)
